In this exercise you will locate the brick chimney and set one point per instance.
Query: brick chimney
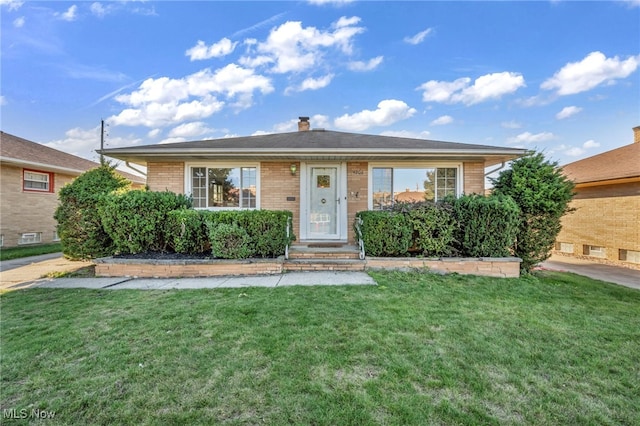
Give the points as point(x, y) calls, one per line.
point(636, 134)
point(304, 125)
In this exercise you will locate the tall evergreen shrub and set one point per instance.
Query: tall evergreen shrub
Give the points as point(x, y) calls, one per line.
point(79, 225)
point(543, 194)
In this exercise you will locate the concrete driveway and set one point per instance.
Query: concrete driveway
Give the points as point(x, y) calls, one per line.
point(614, 274)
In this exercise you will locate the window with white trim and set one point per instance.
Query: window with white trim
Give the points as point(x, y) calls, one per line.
point(391, 185)
point(30, 238)
point(218, 187)
point(595, 251)
point(37, 181)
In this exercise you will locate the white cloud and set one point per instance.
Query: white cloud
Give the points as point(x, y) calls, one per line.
point(418, 38)
point(19, 22)
point(484, 88)
point(201, 51)
point(590, 144)
point(99, 10)
point(511, 124)
point(164, 101)
point(294, 48)
point(84, 142)
point(11, 4)
point(311, 84)
point(631, 3)
point(568, 112)
point(389, 111)
point(595, 69)
point(574, 151)
point(442, 120)
point(407, 134)
point(371, 64)
point(154, 133)
point(70, 15)
point(527, 138)
point(3, 100)
point(189, 130)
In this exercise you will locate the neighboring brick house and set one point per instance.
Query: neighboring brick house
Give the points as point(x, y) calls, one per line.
point(31, 175)
point(323, 177)
point(606, 223)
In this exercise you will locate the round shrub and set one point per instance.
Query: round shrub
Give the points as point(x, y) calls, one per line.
point(229, 241)
point(79, 225)
point(135, 220)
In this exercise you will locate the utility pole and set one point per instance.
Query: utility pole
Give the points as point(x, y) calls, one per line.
point(101, 142)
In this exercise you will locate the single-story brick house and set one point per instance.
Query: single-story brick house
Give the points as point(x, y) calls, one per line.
point(31, 175)
point(323, 177)
point(606, 223)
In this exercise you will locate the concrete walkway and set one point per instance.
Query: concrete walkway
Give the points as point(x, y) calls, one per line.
point(29, 273)
point(614, 274)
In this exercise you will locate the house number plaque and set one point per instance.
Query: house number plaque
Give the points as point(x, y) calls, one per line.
point(357, 172)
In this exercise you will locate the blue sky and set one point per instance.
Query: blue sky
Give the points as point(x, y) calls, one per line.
point(556, 76)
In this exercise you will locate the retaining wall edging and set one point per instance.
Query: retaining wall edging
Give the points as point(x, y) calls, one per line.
point(507, 267)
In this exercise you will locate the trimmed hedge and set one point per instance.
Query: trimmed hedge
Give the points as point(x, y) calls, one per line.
point(434, 229)
point(186, 232)
point(229, 241)
point(266, 228)
point(470, 226)
point(487, 225)
point(135, 220)
point(386, 233)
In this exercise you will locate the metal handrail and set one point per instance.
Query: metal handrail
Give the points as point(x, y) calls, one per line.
point(360, 240)
point(286, 248)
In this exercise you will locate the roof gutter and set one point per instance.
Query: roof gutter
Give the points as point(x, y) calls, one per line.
point(134, 169)
point(496, 169)
point(41, 166)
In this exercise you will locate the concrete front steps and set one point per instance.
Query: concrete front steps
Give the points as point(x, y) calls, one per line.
point(323, 257)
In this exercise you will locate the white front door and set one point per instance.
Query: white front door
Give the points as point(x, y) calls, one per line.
point(324, 204)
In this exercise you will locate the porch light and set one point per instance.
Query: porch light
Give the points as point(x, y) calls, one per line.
point(293, 167)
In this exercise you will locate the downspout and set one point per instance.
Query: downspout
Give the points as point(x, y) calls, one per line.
point(495, 170)
point(140, 171)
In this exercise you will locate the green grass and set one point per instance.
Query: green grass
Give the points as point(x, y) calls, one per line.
point(31, 250)
point(417, 349)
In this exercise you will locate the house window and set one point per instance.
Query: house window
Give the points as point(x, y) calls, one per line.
point(412, 185)
point(2, 240)
point(595, 251)
point(30, 238)
point(234, 187)
point(37, 181)
point(631, 256)
point(564, 247)
point(56, 237)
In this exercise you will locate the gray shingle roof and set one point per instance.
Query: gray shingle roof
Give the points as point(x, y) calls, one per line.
point(314, 144)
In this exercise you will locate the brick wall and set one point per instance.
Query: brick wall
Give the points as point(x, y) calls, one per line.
point(473, 178)
point(606, 216)
point(166, 177)
point(357, 193)
point(22, 212)
point(277, 184)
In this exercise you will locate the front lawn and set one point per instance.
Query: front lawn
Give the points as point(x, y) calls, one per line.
point(9, 253)
point(416, 349)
